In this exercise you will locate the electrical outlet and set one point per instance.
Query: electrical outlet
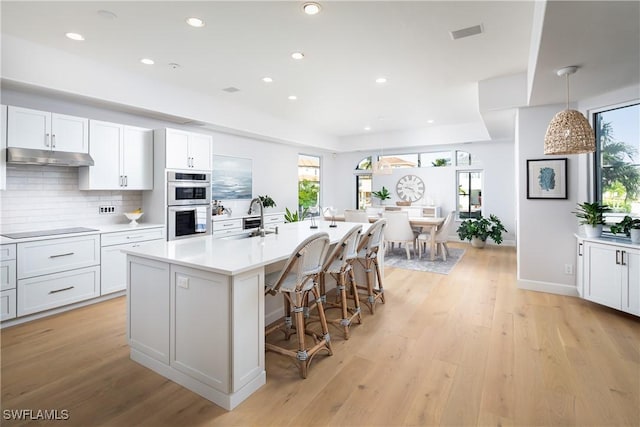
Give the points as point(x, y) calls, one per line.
point(110, 209)
point(568, 269)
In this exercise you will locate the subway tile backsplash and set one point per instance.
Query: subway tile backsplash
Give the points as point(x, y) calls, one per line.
point(42, 197)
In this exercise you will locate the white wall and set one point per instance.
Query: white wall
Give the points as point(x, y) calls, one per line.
point(494, 159)
point(546, 228)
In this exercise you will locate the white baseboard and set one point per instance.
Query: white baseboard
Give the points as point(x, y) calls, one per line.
point(552, 288)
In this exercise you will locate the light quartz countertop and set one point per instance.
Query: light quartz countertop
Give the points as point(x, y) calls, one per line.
point(103, 228)
point(235, 256)
point(610, 240)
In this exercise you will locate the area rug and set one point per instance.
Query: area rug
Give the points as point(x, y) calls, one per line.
point(397, 258)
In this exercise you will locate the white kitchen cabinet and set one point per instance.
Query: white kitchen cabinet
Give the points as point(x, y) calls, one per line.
point(54, 290)
point(148, 324)
point(271, 220)
point(56, 272)
point(7, 281)
point(3, 146)
point(580, 266)
point(8, 304)
point(188, 150)
point(611, 274)
point(206, 360)
point(123, 158)
point(226, 227)
point(113, 261)
point(42, 130)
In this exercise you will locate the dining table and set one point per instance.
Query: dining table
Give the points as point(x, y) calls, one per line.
point(426, 223)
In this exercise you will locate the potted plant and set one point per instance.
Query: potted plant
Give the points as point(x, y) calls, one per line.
point(477, 230)
point(267, 201)
point(293, 216)
point(591, 215)
point(629, 226)
point(383, 194)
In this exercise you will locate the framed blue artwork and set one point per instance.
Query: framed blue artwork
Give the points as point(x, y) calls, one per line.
point(231, 178)
point(547, 178)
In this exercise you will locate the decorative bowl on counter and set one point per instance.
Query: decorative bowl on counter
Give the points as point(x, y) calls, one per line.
point(133, 217)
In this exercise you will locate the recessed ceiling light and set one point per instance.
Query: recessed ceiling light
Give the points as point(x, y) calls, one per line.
point(195, 22)
point(430, 121)
point(267, 79)
point(381, 80)
point(292, 97)
point(367, 128)
point(297, 55)
point(147, 61)
point(173, 65)
point(75, 36)
point(311, 8)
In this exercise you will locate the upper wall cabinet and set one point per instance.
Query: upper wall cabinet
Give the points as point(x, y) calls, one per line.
point(123, 157)
point(43, 130)
point(188, 150)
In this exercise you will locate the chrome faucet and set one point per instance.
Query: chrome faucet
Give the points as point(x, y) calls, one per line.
point(261, 231)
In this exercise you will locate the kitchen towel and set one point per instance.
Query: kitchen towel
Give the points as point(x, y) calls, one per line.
point(201, 219)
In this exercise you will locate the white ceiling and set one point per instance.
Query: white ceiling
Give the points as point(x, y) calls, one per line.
point(347, 46)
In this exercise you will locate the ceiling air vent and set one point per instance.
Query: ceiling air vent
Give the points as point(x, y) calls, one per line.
point(466, 32)
point(231, 89)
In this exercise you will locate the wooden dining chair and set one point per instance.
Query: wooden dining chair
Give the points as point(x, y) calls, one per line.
point(299, 277)
point(441, 237)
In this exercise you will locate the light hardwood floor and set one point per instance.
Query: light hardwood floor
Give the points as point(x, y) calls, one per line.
point(467, 348)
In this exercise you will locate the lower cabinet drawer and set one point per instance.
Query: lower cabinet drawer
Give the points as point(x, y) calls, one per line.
point(55, 290)
point(50, 256)
point(8, 304)
point(7, 274)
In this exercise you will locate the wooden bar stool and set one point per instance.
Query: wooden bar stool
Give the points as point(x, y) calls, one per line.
point(368, 248)
point(339, 265)
point(298, 278)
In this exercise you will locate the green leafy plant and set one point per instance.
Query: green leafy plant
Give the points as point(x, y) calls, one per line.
point(591, 213)
point(293, 216)
point(626, 225)
point(482, 228)
point(267, 201)
point(439, 162)
point(382, 194)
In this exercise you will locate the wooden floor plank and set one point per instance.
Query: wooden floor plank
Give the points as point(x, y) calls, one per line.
point(467, 348)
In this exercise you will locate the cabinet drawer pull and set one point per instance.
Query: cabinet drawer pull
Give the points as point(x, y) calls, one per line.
point(59, 255)
point(579, 249)
point(617, 257)
point(53, 140)
point(61, 290)
point(622, 261)
point(46, 139)
point(135, 237)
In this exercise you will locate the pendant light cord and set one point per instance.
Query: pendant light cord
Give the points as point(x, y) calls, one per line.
point(567, 75)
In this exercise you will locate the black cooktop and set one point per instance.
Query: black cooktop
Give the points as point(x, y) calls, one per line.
point(42, 233)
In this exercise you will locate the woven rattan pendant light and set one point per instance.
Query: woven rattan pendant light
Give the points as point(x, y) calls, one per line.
point(569, 132)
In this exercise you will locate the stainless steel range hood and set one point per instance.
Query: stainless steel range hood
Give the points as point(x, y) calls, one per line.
point(30, 156)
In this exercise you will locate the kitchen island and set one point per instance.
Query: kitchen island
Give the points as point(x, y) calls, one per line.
point(195, 308)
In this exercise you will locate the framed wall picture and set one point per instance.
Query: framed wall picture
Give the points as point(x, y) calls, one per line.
point(547, 179)
point(231, 178)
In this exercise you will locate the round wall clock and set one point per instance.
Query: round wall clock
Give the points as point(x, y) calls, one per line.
point(410, 188)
